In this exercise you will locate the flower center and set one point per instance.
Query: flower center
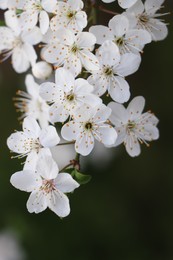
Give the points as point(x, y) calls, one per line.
point(74, 49)
point(119, 41)
point(37, 6)
point(48, 186)
point(70, 97)
point(143, 18)
point(108, 71)
point(131, 126)
point(70, 14)
point(32, 144)
point(88, 126)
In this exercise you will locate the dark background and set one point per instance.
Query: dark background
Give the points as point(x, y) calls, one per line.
point(126, 211)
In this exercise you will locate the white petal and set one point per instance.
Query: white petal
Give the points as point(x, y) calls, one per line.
point(16, 143)
point(126, 3)
point(99, 82)
point(106, 134)
point(31, 127)
point(84, 144)
point(119, 89)
point(20, 61)
point(85, 40)
point(128, 65)
point(30, 53)
point(55, 53)
point(70, 130)
point(7, 38)
point(152, 6)
point(58, 113)
point(89, 60)
point(31, 86)
point(73, 65)
point(28, 19)
point(102, 33)
point(37, 202)
point(49, 91)
point(44, 22)
point(12, 21)
point(102, 113)
point(26, 181)
point(33, 36)
point(132, 146)
point(136, 107)
point(158, 30)
point(49, 137)
point(109, 54)
point(119, 115)
point(119, 25)
point(59, 204)
point(65, 183)
point(48, 5)
point(47, 167)
point(31, 161)
point(137, 8)
point(64, 78)
point(121, 135)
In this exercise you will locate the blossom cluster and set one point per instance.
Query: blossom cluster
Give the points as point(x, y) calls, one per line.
point(70, 73)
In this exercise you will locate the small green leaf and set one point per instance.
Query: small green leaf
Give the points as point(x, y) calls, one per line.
point(80, 177)
point(2, 23)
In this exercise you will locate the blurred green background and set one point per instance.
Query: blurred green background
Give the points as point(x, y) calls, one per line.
point(126, 211)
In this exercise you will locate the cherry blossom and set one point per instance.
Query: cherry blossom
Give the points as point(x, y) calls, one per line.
point(113, 69)
point(30, 103)
point(144, 16)
point(69, 15)
point(18, 44)
point(47, 187)
point(133, 126)
point(119, 31)
point(32, 141)
point(88, 124)
point(67, 95)
point(34, 11)
point(71, 50)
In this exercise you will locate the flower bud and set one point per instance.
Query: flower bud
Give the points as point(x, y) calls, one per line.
point(42, 70)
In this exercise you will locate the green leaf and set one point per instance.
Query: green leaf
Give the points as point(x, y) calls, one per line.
point(2, 23)
point(80, 177)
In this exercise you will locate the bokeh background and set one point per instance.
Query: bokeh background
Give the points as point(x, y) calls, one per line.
point(126, 211)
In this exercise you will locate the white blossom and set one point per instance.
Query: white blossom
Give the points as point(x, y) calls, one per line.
point(119, 31)
point(145, 16)
point(32, 141)
point(47, 187)
point(71, 50)
point(18, 44)
point(123, 3)
point(133, 126)
point(30, 103)
point(67, 95)
point(113, 69)
point(88, 124)
point(34, 11)
point(69, 15)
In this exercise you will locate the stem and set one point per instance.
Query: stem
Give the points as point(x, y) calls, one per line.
point(101, 8)
point(67, 143)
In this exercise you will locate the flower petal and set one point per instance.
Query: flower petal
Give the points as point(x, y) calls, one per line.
point(37, 202)
point(59, 204)
point(26, 180)
point(65, 183)
point(49, 137)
